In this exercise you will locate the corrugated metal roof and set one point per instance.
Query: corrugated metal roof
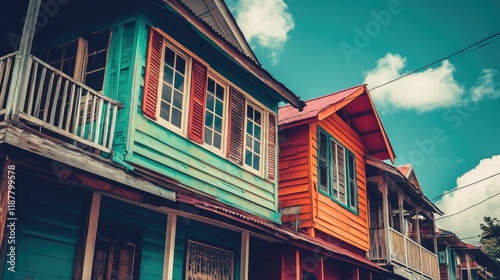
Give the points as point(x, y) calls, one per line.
point(288, 114)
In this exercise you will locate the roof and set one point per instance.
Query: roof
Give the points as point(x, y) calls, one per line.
point(360, 114)
point(405, 183)
point(216, 14)
point(405, 169)
point(244, 59)
point(449, 238)
point(481, 258)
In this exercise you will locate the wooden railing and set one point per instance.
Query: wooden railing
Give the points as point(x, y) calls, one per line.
point(412, 255)
point(60, 105)
point(377, 244)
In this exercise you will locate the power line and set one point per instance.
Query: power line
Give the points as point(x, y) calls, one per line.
point(437, 61)
point(477, 236)
point(468, 185)
point(463, 210)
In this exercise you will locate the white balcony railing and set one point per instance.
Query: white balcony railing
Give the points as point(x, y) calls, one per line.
point(60, 105)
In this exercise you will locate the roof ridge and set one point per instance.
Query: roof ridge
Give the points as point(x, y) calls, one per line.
point(328, 95)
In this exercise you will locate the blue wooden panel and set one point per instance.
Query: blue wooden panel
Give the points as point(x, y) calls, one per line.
point(48, 228)
point(153, 226)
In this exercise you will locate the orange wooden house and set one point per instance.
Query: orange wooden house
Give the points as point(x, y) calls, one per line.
point(322, 180)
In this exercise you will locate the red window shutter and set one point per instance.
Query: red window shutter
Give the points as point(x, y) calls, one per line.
point(236, 127)
point(271, 148)
point(152, 75)
point(197, 101)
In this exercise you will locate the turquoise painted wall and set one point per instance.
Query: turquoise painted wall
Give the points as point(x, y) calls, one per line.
point(158, 149)
point(206, 234)
point(153, 226)
point(48, 228)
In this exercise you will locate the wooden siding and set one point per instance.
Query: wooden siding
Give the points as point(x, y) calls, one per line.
point(48, 229)
point(152, 225)
point(194, 167)
point(294, 184)
point(329, 216)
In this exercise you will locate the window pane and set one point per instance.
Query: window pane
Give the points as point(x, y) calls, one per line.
point(176, 117)
point(168, 74)
point(249, 142)
point(166, 93)
point(257, 132)
point(177, 99)
point(219, 108)
point(210, 102)
point(165, 111)
point(208, 136)
point(211, 85)
point(248, 157)
point(220, 92)
point(209, 120)
point(179, 82)
point(256, 163)
point(180, 64)
point(257, 117)
point(249, 127)
point(250, 112)
point(218, 124)
point(169, 57)
point(217, 140)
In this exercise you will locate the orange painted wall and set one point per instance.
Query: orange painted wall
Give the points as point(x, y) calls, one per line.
point(329, 216)
point(294, 174)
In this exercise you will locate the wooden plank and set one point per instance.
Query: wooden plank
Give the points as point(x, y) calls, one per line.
point(98, 122)
point(70, 109)
point(62, 132)
point(63, 105)
point(39, 93)
point(91, 236)
point(245, 254)
point(32, 88)
point(48, 96)
point(168, 259)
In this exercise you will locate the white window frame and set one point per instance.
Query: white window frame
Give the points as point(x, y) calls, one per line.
point(187, 85)
point(225, 110)
point(263, 137)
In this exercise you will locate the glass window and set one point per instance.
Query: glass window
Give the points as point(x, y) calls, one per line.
point(253, 137)
point(173, 89)
point(214, 114)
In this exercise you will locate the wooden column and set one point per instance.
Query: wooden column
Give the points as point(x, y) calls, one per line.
point(401, 214)
point(297, 265)
point(88, 258)
point(467, 261)
point(355, 273)
point(434, 238)
point(245, 254)
point(168, 256)
point(22, 65)
point(417, 228)
point(384, 189)
point(321, 268)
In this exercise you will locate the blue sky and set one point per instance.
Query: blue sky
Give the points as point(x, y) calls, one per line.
point(445, 120)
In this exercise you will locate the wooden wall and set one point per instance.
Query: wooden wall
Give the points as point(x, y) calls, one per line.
point(329, 216)
point(294, 171)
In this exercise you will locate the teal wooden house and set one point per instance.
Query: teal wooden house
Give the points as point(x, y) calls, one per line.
point(143, 139)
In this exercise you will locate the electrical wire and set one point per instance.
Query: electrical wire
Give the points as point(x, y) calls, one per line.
point(437, 61)
point(463, 210)
point(466, 186)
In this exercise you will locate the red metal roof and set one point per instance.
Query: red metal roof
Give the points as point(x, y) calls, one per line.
point(288, 114)
point(358, 111)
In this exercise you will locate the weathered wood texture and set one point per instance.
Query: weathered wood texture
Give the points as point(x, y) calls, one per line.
point(330, 217)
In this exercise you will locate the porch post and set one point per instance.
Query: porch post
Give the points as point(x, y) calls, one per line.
point(168, 262)
point(402, 225)
point(434, 238)
point(385, 207)
point(88, 259)
point(20, 73)
point(245, 254)
point(417, 228)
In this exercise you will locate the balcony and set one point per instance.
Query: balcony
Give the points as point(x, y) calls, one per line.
point(57, 105)
point(403, 251)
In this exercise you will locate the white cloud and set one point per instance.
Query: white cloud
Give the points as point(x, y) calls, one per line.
point(485, 86)
point(466, 224)
point(265, 23)
point(422, 91)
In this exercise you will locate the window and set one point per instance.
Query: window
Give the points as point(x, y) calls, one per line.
point(182, 93)
point(214, 114)
point(253, 137)
point(84, 59)
point(337, 171)
point(172, 87)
